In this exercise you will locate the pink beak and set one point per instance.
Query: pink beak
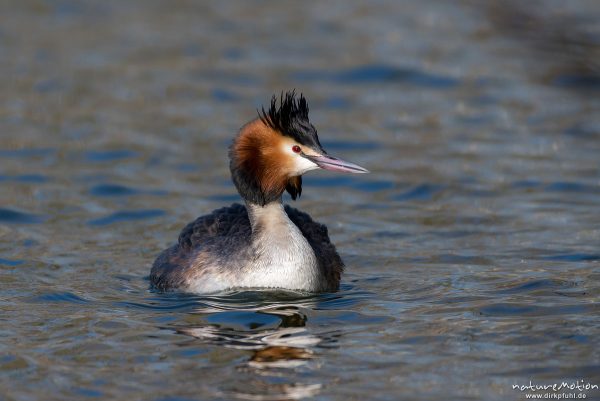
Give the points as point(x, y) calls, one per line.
point(327, 162)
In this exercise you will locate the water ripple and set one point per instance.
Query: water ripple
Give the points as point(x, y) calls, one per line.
point(121, 190)
point(223, 95)
point(573, 257)
point(127, 215)
point(26, 153)
point(360, 184)
point(351, 145)
point(379, 73)
point(578, 81)
point(518, 309)
point(160, 305)
point(224, 197)
point(535, 286)
point(9, 262)
point(420, 192)
point(25, 178)
point(109, 155)
point(60, 297)
point(10, 216)
point(561, 186)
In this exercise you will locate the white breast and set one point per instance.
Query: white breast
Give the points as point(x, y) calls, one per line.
point(285, 258)
point(280, 258)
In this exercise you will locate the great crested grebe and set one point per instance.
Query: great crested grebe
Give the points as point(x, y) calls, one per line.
point(263, 244)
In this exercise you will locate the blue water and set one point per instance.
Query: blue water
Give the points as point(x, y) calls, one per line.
point(472, 249)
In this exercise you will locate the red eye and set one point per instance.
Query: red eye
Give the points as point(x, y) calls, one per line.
point(296, 149)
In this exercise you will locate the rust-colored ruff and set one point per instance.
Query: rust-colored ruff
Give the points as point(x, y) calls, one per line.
point(259, 152)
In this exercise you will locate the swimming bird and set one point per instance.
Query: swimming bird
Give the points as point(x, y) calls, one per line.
point(261, 244)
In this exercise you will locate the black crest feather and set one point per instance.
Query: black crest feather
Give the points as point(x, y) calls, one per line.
point(290, 118)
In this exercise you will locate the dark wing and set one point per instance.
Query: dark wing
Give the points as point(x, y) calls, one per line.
point(330, 263)
point(228, 222)
point(218, 231)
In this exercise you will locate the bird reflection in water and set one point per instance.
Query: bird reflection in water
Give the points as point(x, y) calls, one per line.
point(276, 352)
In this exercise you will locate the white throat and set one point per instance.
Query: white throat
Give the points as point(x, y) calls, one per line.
point(283, 258)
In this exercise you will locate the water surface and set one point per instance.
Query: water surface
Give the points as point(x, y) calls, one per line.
point(472, 249)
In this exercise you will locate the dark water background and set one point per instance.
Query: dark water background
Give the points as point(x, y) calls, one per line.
point(472, 248)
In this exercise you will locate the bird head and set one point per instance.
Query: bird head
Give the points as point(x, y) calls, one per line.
point(271, 153)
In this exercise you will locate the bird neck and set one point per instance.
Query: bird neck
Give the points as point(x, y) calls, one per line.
point(270, 217)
